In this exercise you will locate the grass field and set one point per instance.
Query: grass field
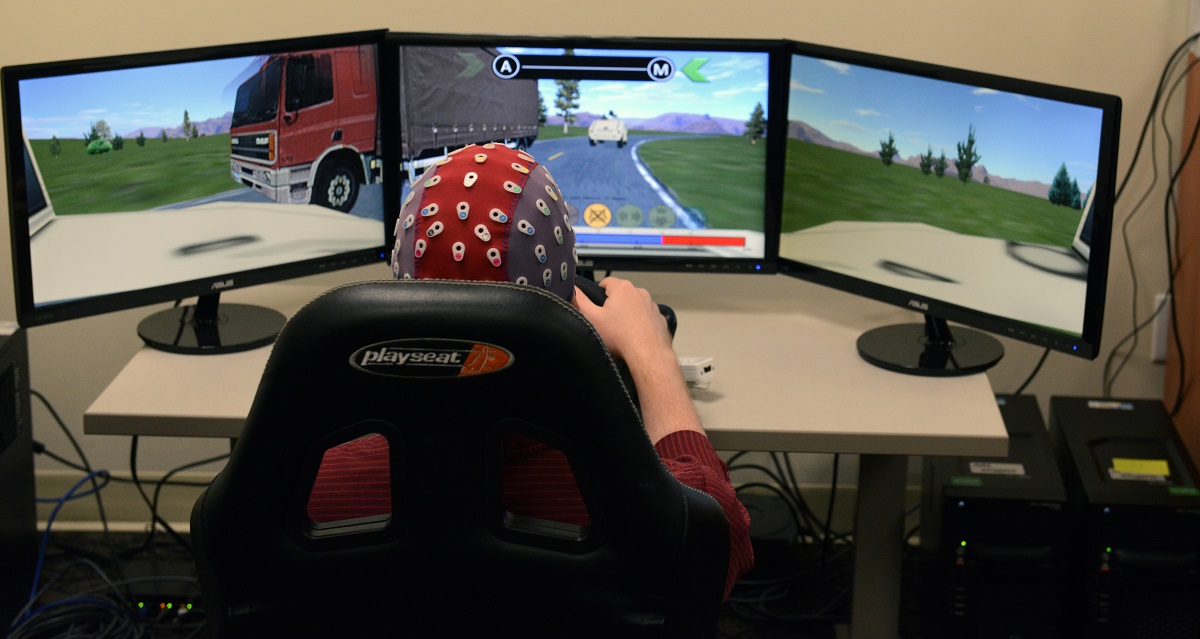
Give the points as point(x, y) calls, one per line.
point(825, 185)
point(722, 176)
point(134, 178)
point(555, 131)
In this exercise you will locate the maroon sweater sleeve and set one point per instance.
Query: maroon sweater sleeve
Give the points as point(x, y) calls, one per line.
point(692, 460)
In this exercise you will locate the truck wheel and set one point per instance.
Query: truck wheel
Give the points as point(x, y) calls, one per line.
point(336, 187)
point(591, 142)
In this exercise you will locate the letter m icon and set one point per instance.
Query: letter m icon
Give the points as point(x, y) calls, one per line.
point(660, 69)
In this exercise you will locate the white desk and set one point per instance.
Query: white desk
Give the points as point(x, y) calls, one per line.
point(788, 378)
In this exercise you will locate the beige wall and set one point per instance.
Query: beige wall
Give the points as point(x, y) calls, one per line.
point(1113, 46)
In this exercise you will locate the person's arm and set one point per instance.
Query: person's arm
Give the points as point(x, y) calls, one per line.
point(635, 331)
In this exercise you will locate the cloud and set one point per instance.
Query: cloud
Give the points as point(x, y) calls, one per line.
point(796, 86)
point(867, 113)
point(840, 67)
point(761, 88)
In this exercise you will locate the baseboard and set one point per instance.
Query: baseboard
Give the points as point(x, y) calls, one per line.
point(125, 509)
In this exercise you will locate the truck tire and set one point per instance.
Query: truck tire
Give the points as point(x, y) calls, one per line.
point(336, 187)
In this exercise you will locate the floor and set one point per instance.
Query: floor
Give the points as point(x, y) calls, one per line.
point(795, 592)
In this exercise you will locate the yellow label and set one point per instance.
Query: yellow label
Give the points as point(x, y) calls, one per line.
point(1156, 467)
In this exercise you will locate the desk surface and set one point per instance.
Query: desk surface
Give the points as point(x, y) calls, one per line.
point(788, 377)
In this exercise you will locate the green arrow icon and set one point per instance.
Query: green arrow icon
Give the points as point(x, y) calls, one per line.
point(474, 64)
point(692, 69)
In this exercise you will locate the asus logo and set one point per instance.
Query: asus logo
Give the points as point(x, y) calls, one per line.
point(920, 306)
point(216, 286)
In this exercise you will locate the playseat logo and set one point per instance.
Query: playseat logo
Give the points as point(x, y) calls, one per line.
point(431, 358)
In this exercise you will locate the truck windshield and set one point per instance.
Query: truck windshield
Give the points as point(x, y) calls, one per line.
point(258, 98)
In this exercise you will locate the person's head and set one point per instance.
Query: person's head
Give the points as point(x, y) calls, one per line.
point(487, 213)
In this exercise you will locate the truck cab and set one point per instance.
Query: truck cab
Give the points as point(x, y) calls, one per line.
point(305, 127)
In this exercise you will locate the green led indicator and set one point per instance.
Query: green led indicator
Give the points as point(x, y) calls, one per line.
point(170, 606)
point(141, 604)
point(963, 543)
point(1108, 549)
point(189, 606)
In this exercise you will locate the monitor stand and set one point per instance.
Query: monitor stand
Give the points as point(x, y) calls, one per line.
point(930, 349)
point(211, 328)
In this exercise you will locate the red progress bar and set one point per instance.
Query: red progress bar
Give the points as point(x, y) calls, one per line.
point(700, 240)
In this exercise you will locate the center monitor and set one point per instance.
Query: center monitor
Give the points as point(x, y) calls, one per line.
point(660, 146)
point(962, 196)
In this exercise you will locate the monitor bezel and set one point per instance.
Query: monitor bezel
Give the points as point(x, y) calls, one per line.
point(29, 314)
point(776, 107)
point(1087, 344)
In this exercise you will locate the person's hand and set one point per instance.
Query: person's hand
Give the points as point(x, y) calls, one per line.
point(635, 331)
point(630, 323)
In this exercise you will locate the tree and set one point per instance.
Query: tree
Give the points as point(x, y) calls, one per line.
point(1075, 203)
point(187, 126)
point(118, 142)
point(1060, 188)
point(91, 135)
point(927, 162)
point(967, 156)
point(887, 149)
point(99, 147)
point(940, 165)
point(103, 131)
point(140, 139)
point(55, 146)
point(163, 135)
point(566, 101)
point(756, 126)
point(541, 110)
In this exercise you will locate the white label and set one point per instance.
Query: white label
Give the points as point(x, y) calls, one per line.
point(1151, 479)
point(997, 468)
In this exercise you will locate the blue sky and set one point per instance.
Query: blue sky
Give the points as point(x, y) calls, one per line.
point(1017, 136)
point(737, 81)
point(130, 99)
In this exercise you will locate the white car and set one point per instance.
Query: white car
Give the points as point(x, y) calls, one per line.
point(608, 130)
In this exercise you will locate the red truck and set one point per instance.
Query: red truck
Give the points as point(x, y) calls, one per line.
point(305, 127)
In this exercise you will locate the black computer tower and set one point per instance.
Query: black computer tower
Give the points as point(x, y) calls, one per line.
point(18, 514)
point(995, 537)
point(1135, 571)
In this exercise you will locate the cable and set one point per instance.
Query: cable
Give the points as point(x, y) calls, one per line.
point(1165, 78)
point(87, 468)
point(1038, 367)
point(71, 494)
point(158, 489)
point(154, 516)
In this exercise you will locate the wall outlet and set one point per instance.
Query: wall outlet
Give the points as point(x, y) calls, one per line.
point(1160, 328)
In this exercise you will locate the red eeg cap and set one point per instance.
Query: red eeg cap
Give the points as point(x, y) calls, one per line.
point(487, 213)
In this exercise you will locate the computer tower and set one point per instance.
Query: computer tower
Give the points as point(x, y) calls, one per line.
point(1136, 566)
point(995, 537)
point(18, 509)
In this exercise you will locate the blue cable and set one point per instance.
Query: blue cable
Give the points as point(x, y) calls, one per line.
point(60, 502)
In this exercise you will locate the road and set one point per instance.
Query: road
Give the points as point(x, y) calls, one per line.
point(611, 176)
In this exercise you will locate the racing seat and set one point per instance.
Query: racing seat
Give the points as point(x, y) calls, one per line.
point(445, 371)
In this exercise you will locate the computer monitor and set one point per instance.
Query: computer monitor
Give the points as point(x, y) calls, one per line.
point(660, 146)
point(964, 196)
point(148, 178)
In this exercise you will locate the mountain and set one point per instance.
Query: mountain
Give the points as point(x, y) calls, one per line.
point(693, 123)
point(801, 131)
point(211, 126)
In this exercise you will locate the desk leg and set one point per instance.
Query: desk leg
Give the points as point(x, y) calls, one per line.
point(878, 547)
